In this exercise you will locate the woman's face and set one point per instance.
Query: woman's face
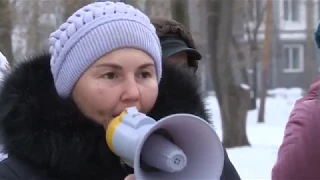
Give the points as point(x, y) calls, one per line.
point(118, 80)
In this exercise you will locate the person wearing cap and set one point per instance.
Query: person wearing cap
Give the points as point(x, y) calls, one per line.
point(179, 48)
point(177, 43)
point(176, 50)
point(56, 106)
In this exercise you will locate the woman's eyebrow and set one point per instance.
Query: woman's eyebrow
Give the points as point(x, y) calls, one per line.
point(146, 65)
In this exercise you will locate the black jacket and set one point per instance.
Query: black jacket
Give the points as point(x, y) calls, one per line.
point(47, 137)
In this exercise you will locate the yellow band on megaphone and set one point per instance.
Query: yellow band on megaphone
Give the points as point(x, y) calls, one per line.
point(112, 128)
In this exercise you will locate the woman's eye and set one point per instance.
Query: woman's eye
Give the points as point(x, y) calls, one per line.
point(145, 74)
point(110, 75)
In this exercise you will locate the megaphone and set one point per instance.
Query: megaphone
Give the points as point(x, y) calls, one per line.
point(177, 147)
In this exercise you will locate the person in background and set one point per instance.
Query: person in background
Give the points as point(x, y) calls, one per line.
point(177, 43)
point(56, 106)
point(178, 47)
point(299, 153)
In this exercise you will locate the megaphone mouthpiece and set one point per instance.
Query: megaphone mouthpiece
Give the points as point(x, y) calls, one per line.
point(160, 153)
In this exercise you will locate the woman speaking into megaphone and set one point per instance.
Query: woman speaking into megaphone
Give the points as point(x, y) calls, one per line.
point(56, 106)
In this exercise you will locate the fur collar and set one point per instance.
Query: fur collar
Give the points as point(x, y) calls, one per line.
point(44, 130)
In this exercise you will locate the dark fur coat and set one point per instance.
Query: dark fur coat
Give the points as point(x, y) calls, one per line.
point(47, 137)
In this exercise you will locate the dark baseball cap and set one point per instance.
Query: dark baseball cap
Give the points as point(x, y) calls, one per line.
point(174, 44)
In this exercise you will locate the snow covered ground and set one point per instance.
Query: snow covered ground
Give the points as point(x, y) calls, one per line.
point(2, 156)
point(256, 162)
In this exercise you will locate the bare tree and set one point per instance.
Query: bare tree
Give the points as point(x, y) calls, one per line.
point(19, 45)
point(26, 27)
point(71, 6)
point(230, 95)
point(134, 3)
point(266, 59)
point(6, 29)
point(33, 38)
point(179, 11)
point(158, 8)
point(253, 17)
point(310, 72)
point(241, 57)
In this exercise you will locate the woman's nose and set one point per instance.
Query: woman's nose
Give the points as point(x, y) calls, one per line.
point(131, 91)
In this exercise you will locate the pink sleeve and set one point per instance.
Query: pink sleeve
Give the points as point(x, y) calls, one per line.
point(299, 154)
point(313, 92)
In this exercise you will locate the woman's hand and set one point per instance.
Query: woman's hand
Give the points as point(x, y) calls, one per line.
point(130, 177)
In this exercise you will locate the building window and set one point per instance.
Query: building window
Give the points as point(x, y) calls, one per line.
point(291, 10)
point(293, 58)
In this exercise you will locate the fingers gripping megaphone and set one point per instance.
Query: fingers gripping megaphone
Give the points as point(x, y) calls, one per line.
point(177, 147)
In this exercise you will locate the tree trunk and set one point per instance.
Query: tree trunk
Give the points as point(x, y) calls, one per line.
point(241, 58)
point(310, 70)
point(158, 8)
point(134, 3)
point(179, 11)
point(71, 6)
point(253, 99)
point(33, 37)
point(233, 99)
point(148, 7)
point(6, 30)
point(255, 15)
point(266, 61)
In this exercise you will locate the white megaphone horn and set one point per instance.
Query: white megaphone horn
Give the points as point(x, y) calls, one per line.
point(177, 147)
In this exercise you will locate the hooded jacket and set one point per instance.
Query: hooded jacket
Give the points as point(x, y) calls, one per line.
point(46, 137)
point(299, 153)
